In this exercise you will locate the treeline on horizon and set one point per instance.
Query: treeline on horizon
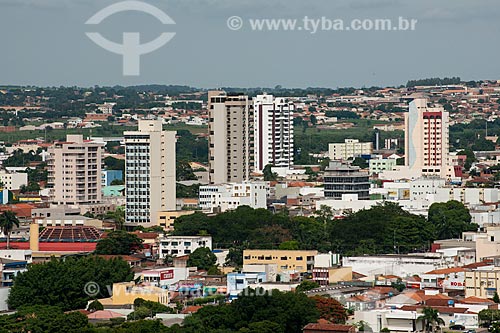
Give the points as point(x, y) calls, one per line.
point(278, 90)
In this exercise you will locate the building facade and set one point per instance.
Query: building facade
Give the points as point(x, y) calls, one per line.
point(74, 171)
point(341, 179)
point(225, 197)
point(381, 164)
point(300, 261)
point(107, 176)
point(149, 172)
point(349, 149)
point(231, 137)
point(273, 130)
point(426, 139)
point(13, 180)
point(182, 245)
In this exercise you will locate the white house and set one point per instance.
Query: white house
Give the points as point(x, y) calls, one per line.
point(182, 245)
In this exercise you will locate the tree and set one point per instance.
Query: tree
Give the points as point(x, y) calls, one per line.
point(430, 317)
point(289, 245)
point(44, 318)
point(330, 309)
point(68, 283)
point(289, 312)
point(306, 285)
point(360, 162)
point(391, 229)
point(450, 219)
point(95, 306)
point(8, 220)
point(269, 175)
point(202, 258)
point(496, 299)
point(489, 315)
point(117, 182)
point(184, 171)
point(118, 217)
point(119, 242)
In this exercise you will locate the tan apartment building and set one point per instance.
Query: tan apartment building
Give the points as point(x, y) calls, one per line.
point(74, 171)
point(349, 149)
point(149, 172)
point(231, 137)
point(166, 219)
point(287, 260)
point(481, 283)
point(426, 139)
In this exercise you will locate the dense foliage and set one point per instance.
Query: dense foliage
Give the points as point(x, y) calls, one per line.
point(202, 258)
point(44, 318)
point(119, 242)
point(450, 219)
point(435, 81)
point(273, 311)
point(385, 228)
point(62, 282)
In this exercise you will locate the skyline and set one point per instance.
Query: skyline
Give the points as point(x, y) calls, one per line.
point(48, 46)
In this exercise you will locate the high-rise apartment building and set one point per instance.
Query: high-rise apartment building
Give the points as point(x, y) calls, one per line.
point(231, 137)
point(273, 132)
point(149, 172)
point(426, 139)
point(74, 171)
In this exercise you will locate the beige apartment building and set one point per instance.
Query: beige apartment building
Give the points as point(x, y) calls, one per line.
point(74, 171)
point(149, 172)
point(349, 149)
point(482, 284)
point(426, 139)
point(231, 137)
point(300, 261)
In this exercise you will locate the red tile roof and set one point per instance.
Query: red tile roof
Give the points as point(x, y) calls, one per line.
point(323, 325)
point(55, 246)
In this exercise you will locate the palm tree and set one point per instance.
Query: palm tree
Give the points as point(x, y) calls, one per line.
point(430, 317)
point(8, 220)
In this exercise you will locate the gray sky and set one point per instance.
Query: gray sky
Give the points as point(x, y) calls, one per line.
point(44, 43)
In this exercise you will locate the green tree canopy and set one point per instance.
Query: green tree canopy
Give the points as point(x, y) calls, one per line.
point(450, 219)
point(62, 282)
point(119, 242)
point(289, 312)
point(203, 258)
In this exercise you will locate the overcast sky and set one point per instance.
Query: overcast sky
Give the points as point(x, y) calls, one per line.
point(44, 43)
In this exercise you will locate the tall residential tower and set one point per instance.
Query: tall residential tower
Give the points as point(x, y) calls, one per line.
point(231, 137)
point(426, 139)
point(273, 129)
point(149, 172)
point(74, 171)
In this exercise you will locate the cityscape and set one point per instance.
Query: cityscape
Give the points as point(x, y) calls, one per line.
point(265, 167)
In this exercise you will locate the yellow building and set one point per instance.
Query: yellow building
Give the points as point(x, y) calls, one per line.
point(482, 284)
point(287, 260)
point(328, 275)
point(165, 219)
point(125, 293)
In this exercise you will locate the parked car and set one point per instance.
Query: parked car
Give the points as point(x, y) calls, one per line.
point(457, 327)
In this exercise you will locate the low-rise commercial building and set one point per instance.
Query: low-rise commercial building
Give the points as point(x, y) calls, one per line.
point(298, 261)
point(182, 245)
